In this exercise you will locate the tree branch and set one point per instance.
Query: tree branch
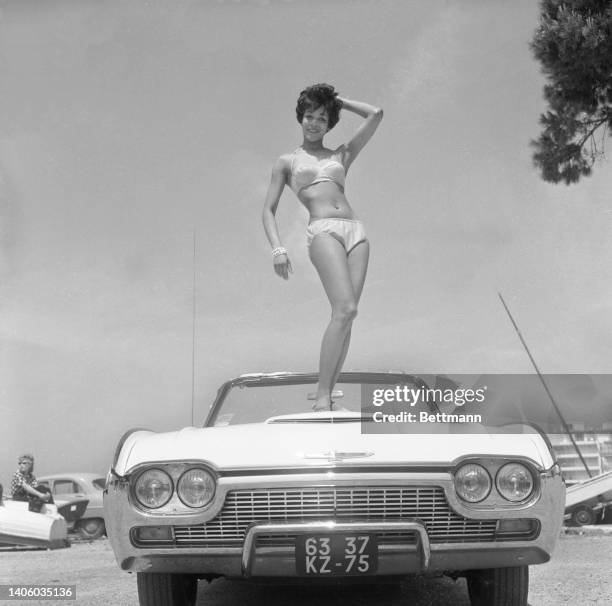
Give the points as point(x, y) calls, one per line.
point(597, 123)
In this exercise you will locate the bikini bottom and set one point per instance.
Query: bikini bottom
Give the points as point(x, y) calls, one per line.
point(349, 232)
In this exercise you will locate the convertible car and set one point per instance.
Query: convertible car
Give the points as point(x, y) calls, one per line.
point(268, 489)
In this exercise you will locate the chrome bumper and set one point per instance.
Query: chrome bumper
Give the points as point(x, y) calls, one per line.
point(249, 552)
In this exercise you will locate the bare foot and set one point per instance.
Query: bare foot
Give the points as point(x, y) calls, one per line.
point(322, 403)
point(339, 408)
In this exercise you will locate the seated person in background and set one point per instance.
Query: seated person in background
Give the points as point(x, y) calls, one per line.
point(23, 485)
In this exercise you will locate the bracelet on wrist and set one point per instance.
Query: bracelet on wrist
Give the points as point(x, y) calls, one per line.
point(279, 250)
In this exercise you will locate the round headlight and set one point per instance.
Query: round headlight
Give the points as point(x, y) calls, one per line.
point(153, 488)
point(514, 482)
point(196, 487)
point(472, 483)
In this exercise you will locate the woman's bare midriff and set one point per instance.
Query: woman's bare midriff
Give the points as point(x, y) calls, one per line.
point(325, 200)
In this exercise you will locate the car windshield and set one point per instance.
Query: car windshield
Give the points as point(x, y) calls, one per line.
point(256, 402)
point(99, 483)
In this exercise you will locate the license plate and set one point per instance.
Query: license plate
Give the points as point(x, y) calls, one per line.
point(336, 554)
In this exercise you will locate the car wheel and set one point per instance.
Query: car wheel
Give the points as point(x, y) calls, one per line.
point(90, 528)
point(583, 516)
point(166, 589)
point(499, 586)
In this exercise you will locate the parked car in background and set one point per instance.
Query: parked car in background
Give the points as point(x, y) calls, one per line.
point(75, 485)
point(270, 490)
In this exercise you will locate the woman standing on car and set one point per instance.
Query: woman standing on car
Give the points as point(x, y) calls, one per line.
point(24, 483)
point(336, 239)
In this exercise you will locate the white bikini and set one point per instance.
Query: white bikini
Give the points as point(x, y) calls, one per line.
point(307, 170)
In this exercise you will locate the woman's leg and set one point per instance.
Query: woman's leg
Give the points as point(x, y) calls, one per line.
point(358, 265)
point(330, 259)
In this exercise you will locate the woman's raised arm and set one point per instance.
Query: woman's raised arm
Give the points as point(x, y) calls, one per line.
point(373, 115)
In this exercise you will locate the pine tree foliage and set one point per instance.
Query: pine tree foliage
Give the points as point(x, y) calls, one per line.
point(573, 43)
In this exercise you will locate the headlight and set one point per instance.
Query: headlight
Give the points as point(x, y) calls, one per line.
point(514, 482)
point(153, 488)
point(196, 487)
point(472, 483)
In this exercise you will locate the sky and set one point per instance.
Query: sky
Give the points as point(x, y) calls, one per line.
point(136, 145)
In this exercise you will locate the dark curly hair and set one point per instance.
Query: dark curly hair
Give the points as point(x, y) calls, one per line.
point(316, 96)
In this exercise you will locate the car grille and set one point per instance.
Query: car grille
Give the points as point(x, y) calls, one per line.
point(368, 504)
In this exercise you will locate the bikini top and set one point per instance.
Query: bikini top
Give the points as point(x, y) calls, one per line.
point(306, 171)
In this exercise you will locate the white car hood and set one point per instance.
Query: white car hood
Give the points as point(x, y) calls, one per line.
point(278, 445)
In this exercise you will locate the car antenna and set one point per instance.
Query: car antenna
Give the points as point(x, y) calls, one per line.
point(193, 320)
point(565, 425)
